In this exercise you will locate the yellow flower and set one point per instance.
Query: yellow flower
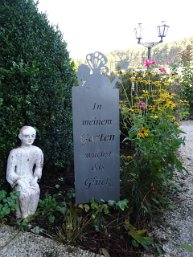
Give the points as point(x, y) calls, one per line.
point(171, 118)
point(143, 132)
point(148, 82)
point(145, 93)
point(132, 79)
point(170, 104)
point(155, 117)
point(151, 108)
point(158, 101)
point(129, 157)
point(167, 95)
point(138, 111)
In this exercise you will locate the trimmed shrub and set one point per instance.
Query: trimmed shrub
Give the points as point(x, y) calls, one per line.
point(36, 77)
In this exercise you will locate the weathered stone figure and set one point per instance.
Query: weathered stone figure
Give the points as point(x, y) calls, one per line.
point(24, 170)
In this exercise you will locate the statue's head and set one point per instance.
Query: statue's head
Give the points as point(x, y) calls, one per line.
point(27, 135)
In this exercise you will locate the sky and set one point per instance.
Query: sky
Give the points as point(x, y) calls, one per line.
point(106, 25)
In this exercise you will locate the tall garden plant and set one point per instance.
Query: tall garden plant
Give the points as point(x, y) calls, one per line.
point(150, 131)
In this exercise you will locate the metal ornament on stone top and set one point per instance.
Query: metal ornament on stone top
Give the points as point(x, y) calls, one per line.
point(95, 69)
point(96, 136)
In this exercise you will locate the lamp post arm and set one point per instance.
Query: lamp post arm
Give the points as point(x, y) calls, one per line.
point(149, 46)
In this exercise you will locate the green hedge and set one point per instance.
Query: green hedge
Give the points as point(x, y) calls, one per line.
point(36, 77)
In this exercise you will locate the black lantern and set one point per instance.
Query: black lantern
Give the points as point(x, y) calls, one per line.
point(162, 30)
point(138, 33)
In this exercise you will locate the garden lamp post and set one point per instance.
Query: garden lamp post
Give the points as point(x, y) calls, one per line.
point(162, 32)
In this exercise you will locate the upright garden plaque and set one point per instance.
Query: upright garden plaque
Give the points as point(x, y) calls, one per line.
point(96, 134)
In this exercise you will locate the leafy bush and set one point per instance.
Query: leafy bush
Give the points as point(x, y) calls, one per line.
point(186, 76)
point(36, 76)
point(49, 208)
point(150, 131)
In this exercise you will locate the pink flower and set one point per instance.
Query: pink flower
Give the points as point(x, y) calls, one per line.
point(148, 63)
point(142, 105)
point(163, 70)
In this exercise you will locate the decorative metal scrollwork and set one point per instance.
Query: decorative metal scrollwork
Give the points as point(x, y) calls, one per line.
point(97, 62)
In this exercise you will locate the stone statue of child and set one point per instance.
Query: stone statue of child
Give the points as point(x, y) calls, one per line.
point(24, 170)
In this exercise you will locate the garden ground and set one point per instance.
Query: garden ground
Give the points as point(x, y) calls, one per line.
point(174, 231)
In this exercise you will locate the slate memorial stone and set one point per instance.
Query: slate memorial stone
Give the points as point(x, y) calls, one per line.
point(96, 137)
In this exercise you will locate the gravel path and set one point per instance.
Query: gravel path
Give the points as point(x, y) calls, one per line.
point(177, 225)
point(14, 243)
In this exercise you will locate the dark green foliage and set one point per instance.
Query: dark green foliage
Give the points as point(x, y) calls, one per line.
point(49, 207)
point(8, 203)
point(36, 76)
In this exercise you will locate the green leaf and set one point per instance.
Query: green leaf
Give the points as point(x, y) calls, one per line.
point(51, 218)
point(122, 204)
point(187, 247)
point(105, 252)
point(134, 243)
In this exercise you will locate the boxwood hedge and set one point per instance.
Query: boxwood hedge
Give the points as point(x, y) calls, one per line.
point(36, 77)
